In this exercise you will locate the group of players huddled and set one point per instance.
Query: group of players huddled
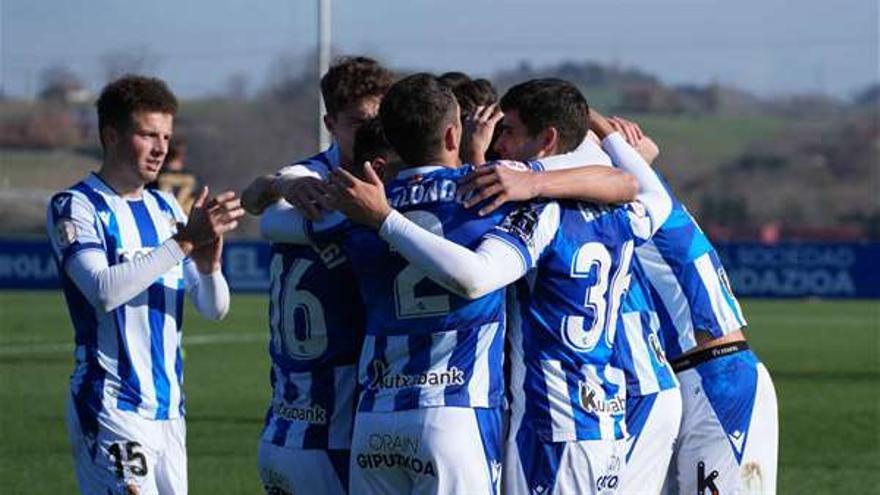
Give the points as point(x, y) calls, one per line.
point(468, 296)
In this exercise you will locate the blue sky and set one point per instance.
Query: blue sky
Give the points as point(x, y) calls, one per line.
point(767, 46)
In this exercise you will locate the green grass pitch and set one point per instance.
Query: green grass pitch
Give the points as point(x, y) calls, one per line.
point(824, 358)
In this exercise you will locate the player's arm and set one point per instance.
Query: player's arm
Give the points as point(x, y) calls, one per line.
point(499, 260)
point(208, 291)
point(283, 223)
point(301, 185)
point(77, 243)
point(584, 174)
point(652, 193)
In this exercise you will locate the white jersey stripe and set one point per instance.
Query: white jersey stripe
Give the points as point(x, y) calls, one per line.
point(559, 399)
point(716, 293)
point(442, 345)
point(667, 286)
point(478, 388)
point(632, 324)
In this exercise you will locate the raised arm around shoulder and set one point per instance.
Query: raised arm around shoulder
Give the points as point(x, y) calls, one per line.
point(471, 274)
point(281, 222)
point(584, 174)
point(652, 193)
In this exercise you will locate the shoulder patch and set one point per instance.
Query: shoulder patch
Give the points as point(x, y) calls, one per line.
point(61, 202)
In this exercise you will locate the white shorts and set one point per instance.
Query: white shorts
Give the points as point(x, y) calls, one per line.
point(286, 471)
point(438, 450)
point(729, 431)
point(532, 466)
point(652, 422)
point(128, 450)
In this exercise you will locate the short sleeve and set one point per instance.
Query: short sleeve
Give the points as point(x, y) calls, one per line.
point(529, 229)
point(72, 225)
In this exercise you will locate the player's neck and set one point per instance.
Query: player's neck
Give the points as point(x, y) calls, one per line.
point(123, 185)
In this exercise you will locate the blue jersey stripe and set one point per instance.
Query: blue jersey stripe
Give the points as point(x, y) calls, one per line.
point(323, 394)
point(462, 358)
point(161, 384)
point(368, 397)
point(419, 360)
point(145, 227)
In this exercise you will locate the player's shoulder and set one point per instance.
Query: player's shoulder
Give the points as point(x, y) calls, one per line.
point(78, 198)
point(167, 202)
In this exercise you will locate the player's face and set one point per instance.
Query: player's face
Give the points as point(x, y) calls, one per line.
point(514, 142)
point(141, 149)
point(344, 124)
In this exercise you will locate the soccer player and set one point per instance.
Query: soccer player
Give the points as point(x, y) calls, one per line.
point(316, 314)
point(557, 239)
point(728, 440)
point(422, 341)
point(127, 256)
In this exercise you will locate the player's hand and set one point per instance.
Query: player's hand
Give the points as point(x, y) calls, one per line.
point(363, 202)
point(310, 196)
point(209, 219)
point(208, 257)
point(259, 194)
point(636, 138)
point(600, 125)
point(502, 181)
point(480, 127)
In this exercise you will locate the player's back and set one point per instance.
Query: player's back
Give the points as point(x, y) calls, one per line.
point(316, 320)
point(638, 349)
point(691, 291)
point(562, 345)
point(426, 347)
point(127, 358)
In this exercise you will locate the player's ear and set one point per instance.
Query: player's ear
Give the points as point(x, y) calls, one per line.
point(549, 141)
point(330, 123)
point(379, 165)
point(109, 136)
point(452, 138)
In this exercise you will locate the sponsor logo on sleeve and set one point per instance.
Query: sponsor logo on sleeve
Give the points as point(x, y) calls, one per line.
point(65, 230)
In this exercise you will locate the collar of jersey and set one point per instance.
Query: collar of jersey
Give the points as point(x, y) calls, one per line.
point(425, 169)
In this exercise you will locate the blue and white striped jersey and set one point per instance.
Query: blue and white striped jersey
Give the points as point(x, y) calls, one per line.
point(127, 358)
point(425, 347)
point(563, 337)
point(316, 319)
point(637, 348)
point(691, 291)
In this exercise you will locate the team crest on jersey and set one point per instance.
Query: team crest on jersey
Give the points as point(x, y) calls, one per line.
point(592, 403)
point(523, 222)
point(66, 232)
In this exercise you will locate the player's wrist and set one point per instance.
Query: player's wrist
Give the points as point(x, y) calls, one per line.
point(184, 241)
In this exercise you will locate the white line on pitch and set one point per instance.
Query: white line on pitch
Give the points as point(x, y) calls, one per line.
point(195, 340)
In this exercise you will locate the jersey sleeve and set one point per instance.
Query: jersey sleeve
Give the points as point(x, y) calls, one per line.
point(282, 223)
point(653, 203)
point(71, 222)
point(469, 274)
point(587, 153)
point(312, 168)
point(528, 230)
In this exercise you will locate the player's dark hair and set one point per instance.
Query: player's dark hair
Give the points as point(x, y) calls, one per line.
point(370, 143)
point(470, 93)
point(122, 98)
point(550, 102)
point(414, 115)
point(351, 79)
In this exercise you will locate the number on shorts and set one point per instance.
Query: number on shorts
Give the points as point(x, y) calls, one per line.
point(130, 457)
